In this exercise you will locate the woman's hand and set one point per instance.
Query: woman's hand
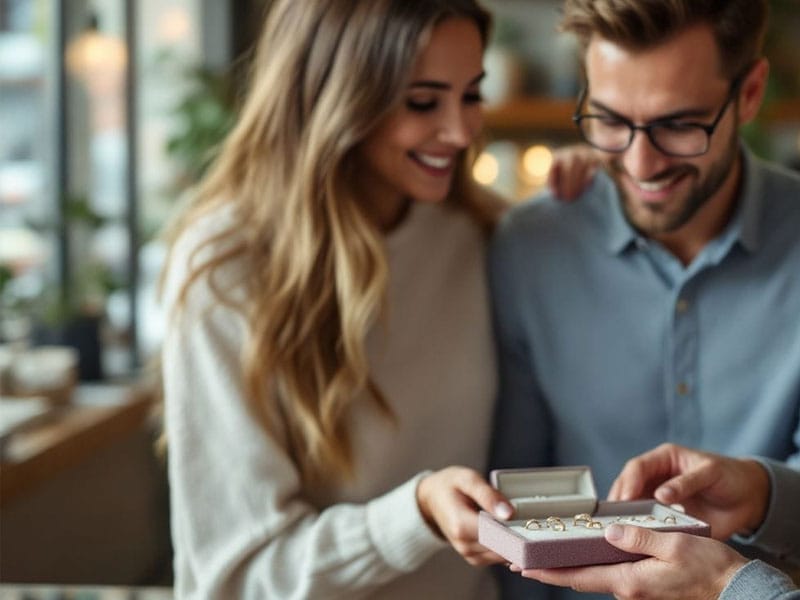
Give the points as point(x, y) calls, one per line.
point(572, 171)
point(449, 501)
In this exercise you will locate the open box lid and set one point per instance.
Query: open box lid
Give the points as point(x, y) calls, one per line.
point(549, 491)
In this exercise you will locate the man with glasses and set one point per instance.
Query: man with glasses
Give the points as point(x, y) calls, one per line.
point(664, 305)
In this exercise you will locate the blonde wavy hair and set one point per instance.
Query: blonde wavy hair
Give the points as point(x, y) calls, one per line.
point(326, 72)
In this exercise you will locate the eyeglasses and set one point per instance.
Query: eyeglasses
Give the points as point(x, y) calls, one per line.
point(614, 133)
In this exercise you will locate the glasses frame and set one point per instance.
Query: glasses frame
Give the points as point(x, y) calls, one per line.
point(647, 128)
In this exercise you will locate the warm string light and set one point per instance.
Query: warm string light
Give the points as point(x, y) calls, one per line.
point(99, 62)
point(501, 167)
point(94, 56)
point(174, 25)
point(536, 163)
point(486, 169)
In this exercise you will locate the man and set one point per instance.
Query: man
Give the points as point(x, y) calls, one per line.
point(664, 305)
point(726, 493)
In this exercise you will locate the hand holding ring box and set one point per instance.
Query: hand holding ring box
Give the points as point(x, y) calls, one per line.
point(560, 523)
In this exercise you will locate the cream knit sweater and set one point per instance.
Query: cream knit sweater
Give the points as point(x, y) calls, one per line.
point(243, 526)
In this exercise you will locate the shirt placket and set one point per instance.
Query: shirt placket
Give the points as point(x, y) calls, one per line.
point(681, 355)
point(683, 406)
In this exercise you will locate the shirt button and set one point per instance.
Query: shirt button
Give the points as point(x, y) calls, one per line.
point(682, 388)
point(682, 305)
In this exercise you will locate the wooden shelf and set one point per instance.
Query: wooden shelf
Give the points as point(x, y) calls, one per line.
point(550, 114)
point(780, 111)
point(546, 114)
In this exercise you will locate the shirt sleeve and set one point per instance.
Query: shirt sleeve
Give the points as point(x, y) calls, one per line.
point(241, 524)
point(757, 579)
point(779, 534)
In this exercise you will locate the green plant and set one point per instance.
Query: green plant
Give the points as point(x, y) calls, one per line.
point(90, 281)
point(6, 275)
point(205, 115)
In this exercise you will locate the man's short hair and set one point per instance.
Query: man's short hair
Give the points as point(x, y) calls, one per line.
point(739, 26)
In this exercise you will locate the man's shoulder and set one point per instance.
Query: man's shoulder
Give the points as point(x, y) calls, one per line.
point(778, 182)
point(779, 191)
point(778, 174)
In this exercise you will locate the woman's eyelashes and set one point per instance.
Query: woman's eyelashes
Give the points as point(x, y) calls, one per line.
point(430, 104)
point(473, 97)
point(421, 105)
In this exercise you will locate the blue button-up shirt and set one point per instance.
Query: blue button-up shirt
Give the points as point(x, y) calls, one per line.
point(609, 345)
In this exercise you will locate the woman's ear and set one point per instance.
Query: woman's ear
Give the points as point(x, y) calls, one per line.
point(752, 91)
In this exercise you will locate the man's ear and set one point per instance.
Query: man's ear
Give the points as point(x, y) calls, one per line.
point(751, 93)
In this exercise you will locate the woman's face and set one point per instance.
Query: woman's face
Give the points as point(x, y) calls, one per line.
point(413, 153)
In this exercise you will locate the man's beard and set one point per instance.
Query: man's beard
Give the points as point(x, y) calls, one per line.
point(657, 220)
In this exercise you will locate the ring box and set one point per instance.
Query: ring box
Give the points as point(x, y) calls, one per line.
point(565, 492)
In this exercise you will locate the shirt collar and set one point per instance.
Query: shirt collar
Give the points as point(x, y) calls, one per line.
point(620, 233)
point(744, 227)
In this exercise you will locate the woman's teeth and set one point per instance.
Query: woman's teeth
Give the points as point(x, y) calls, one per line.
point(436, 162)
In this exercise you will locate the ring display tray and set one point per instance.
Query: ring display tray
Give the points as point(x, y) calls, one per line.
point(560, 523)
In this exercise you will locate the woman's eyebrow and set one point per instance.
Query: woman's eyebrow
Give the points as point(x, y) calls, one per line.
point(441, 85)
point(434, 85)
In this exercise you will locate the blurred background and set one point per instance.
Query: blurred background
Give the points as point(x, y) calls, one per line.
point(109, 110)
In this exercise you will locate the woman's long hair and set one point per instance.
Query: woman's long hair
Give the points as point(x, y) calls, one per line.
point(325, 74)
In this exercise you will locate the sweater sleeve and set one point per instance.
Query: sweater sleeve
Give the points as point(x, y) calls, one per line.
point(757, 579)
point(241, 525)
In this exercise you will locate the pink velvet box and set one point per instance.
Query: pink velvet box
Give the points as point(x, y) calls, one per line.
point(565, 492)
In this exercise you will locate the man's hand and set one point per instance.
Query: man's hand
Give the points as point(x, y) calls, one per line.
point(730, 494)
point(680, 566)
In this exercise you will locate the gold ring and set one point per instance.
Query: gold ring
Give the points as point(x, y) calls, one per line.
point(583, 518)
point(670, 519)
point(532, 524)
point(594, 525)
point(556, 524)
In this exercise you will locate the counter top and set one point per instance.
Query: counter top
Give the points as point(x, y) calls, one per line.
point(65, 435)
point(72, 592)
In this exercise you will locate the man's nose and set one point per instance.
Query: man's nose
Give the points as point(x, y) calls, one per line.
point(642, 160)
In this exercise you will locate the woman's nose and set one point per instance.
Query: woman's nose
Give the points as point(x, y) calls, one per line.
point(456, 129)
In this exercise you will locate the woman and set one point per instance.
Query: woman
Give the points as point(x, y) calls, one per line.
point(330, 341)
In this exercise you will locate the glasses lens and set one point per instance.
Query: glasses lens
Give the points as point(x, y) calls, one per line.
point(679, 140)
point(605, 133)
point(613, 135)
